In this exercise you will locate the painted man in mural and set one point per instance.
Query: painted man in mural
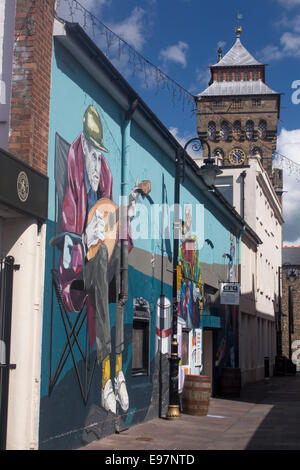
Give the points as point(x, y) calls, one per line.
point(89, 271)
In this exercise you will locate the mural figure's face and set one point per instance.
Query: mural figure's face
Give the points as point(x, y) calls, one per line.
point(92, 163)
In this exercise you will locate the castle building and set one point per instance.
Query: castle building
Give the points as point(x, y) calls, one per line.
point(238, 112)
point(238, 116)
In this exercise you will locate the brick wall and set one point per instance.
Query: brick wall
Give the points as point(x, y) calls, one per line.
point(294, 283)
point(31, 81)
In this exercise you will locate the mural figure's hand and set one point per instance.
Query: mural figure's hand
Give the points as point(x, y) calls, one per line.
point(95, 231)
point(133, 200)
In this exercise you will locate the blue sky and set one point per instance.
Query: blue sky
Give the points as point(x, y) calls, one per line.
point(182, 37)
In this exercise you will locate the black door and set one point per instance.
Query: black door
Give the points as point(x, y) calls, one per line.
point(7, 268)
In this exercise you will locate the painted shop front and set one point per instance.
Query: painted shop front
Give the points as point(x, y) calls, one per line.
point(108, 276)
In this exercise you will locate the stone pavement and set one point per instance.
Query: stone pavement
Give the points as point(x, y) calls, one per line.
point(265, 417)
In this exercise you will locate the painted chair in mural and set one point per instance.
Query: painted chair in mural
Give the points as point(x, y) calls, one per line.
point(73, 323)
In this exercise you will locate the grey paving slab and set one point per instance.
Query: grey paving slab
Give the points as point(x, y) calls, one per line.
point(265, 417)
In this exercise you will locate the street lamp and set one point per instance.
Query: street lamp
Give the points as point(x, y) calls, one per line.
point(208, 171)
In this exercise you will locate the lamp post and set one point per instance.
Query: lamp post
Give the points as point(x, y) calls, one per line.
point(208, 172)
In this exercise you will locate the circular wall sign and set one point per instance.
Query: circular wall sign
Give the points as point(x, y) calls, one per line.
point(22, 186)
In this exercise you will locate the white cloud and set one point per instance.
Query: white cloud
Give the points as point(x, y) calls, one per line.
point(176, 53)
point(289, 3)
point(202, 78)
point(291, 44)
point(288, 144)
point(289, 40)
point(270, 53)
point(221, 44)
point(132, 29)
point(290, 47)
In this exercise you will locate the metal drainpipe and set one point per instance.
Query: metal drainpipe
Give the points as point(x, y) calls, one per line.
point(243, 175)
point(239, 280)
point(123, 215)
point(239, 252)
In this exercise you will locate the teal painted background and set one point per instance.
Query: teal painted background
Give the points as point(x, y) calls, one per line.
point(63, 414)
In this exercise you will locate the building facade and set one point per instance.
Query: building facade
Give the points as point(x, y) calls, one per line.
point(238, 115)
point(91, 101)
point(25, 61)
point(290, 327)
point(92, 301)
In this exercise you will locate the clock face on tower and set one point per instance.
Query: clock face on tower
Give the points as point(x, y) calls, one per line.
point(237, 156)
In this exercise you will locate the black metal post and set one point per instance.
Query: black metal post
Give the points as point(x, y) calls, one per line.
point(291, 320)
point(173, 409)
point(5, 335)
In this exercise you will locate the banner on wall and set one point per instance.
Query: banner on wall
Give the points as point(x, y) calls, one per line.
point(230, 293)
point(198, 358)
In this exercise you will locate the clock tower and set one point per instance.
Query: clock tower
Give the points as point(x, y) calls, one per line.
point(238, 113)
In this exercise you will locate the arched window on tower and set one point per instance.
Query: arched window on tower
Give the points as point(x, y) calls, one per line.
point(237, 130)
point(262, 129)
point(250, 130)
point(211, 131)
point(225, 130)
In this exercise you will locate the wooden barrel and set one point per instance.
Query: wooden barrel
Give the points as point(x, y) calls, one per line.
point(230, 382)
point(196, 395)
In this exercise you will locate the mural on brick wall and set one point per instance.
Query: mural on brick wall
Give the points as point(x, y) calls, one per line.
point(89, 239)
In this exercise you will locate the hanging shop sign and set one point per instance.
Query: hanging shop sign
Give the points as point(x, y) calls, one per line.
point(198, 355)
point(230, 293)
point(22, 188)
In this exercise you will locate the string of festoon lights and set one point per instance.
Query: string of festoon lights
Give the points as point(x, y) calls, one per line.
point(114, 47)
point(285, 163)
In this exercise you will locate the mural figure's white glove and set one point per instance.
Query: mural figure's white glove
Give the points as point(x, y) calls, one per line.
point(95, 231)
point(133, 201)
point(67, 252)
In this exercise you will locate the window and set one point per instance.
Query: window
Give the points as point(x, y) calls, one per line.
point(246, 76)
point(220, 76)
point(250, 130)
point(255, 75)
point(211, 131)
point(237, 130)
point(218, 104)
point(236, 104)
point(225, 130)
point(228, 76)
point(185, 352)
point(141, 337)
point(225, 186)
point(256, 102)
point(237, 76)
point(262, 129)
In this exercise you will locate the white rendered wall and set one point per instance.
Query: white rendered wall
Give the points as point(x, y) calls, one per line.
point(259, 270)
point(22, 241)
